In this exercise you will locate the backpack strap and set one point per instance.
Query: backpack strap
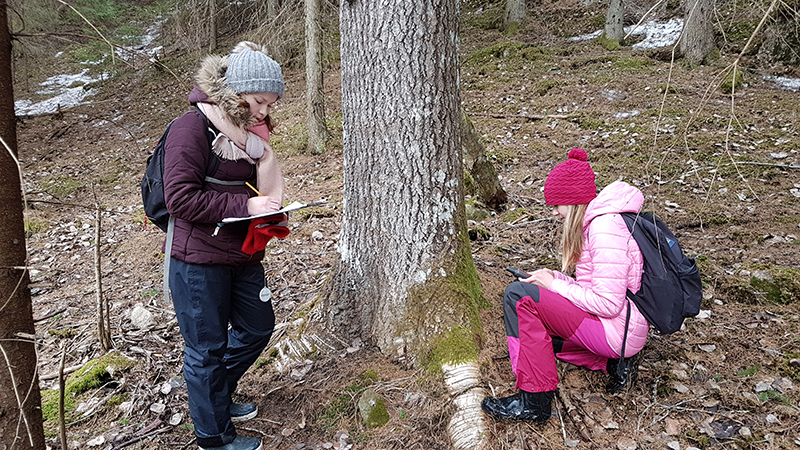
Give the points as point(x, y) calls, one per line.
point(621, 364)
point(167, 255)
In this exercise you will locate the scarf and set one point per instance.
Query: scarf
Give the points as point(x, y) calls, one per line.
point(252, 144)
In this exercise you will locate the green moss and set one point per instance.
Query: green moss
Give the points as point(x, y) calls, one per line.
point(479, 234)
point(512, 28)
point(608, 44)
point(63, 333)
point(772, 394)
point(368, 377)
point(33, 226)
point(456, 346)
point(116, 400)
point(509, 51)
point(490, 17)
point(515, 214)
point(633, 64)
point(733, 82)
point(543, 87)
point(782, 286)
point(788, 370)
point(749, 372)
point(96, 372)
point(316, 212)
point(61, 187)
point(373, 409)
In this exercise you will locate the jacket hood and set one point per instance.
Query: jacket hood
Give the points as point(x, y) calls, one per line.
point(211, 81)
point(617, 197)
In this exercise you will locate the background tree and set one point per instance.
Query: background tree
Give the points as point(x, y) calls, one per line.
point(516, 11)
point(614, 30)
point(315, 103)
point(485, 184)
point(697, 40)
point(20, 410)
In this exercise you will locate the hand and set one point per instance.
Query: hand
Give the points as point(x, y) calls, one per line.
point(542, 277)
point(262, 205)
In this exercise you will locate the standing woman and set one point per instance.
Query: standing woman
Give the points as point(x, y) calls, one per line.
point(579, 320)
point(214, 283)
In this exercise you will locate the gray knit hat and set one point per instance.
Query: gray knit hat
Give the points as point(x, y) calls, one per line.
point(252, 71)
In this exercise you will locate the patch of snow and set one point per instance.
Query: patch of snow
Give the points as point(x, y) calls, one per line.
point(791, 84)
point(130, 52)
point(625, 115)
point(657, 34)
point(67, 94)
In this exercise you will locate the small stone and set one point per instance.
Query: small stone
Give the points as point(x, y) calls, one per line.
point(708, 348)
point(372, 408)
point(96, 442)
point(762, 386)
point(141, 318)
point(627, 444)
point(166, 388)
point(158, 408)
point(176, 419)
point(609, 424)
point(317, 235)
point(327, 445)
point(673, 427)
point(745, 432)
point(680, 388)
point(681, 374)
point(286, 432)
point(703, 314)
point(571, 443)
point(674, 445)
point(772, 419)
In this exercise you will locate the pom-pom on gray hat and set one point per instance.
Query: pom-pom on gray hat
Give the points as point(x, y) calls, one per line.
point(251, 71)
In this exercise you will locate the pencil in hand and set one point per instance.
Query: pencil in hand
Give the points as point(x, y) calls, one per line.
point(254, 189)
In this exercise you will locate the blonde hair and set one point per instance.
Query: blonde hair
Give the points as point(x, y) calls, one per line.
point(572, 237)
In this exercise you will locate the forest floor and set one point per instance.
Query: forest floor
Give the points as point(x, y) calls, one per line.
point(730, 379)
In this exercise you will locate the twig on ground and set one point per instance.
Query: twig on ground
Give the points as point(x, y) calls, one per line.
point(572, 412)
point(142, 437)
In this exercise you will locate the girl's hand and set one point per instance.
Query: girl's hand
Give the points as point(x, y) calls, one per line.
point(542, 277)
point(262, 205)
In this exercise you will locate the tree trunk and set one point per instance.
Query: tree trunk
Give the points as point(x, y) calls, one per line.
point(315, 103)
point(405, 279)
point(212, 18)
point(697, 41)
point(614, 29)
point(486, 184)
point(516, 11)
point(20, 402)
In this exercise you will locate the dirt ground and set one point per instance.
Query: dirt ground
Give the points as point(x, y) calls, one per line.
point(728, 380)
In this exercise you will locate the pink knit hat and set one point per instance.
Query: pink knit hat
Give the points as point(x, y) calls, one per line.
point(571, 182)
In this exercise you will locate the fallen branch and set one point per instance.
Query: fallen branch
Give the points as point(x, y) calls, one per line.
point(139, 438)
point(574, 415)
point(520, 116)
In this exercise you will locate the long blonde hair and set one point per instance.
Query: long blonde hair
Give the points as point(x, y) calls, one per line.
point(572, 237)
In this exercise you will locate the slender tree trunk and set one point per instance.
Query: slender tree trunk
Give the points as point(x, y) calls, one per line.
point(516, 11)
point(315, 103)
point(212, 18)
point(480, 167)
point(614, 29)
point(697, 41)
point(20, 402)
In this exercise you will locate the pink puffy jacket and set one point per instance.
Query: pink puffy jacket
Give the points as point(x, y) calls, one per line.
point(610, 264)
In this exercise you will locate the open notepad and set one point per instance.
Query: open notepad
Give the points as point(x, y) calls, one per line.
point(294, 206)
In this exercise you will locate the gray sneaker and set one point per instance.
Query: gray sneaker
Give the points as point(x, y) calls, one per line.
point(239, 443)
point(243, 411)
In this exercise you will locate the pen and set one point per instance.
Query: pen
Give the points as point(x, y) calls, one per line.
point(254, 189)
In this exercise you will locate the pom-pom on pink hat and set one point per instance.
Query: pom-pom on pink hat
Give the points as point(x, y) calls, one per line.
point(571, 182)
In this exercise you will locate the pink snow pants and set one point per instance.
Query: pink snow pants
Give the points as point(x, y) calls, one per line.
point(542, 325)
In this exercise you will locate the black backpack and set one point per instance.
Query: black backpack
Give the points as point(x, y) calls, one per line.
point(155, 207)
point(671, 288)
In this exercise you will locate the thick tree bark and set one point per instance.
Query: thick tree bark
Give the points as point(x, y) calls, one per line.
point(614, 29)
point(697, 41)
point(315, 103)
point(516, 11)
point(20, 410)
point(405, 279)
point(480, 167)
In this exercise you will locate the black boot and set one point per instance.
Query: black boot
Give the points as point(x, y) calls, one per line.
point(621, 380)
point(532, 406)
